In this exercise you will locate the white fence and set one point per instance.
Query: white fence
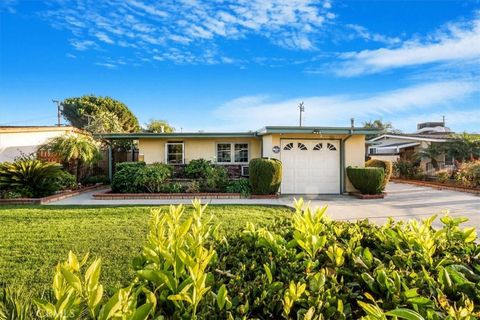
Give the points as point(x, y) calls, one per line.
point(431, 172)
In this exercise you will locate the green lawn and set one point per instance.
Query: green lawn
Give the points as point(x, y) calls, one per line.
point(33, 239)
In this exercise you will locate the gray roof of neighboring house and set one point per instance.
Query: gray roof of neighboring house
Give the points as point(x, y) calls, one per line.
point(417, 137)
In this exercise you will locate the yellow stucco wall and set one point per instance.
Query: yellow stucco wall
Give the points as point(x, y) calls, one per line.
point(153, 150)
point(354, 156)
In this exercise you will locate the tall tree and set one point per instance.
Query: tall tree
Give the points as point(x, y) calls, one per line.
point(383, 127)
point(159, 126)
point(77, 149)
point(99, 114)
point(464, 147)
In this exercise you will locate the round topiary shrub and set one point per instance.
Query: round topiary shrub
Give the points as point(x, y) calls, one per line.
point(152, 178)
point(265, 175)
point(366, 180)
point(387, 167)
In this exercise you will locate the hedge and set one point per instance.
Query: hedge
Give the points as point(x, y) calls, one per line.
point(366, 180)
point(386, 165)
point(265, 175)
point(125, 175)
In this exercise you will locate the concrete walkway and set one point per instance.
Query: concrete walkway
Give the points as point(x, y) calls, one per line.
point(403, 201)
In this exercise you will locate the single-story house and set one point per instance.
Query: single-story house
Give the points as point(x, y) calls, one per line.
point(395, 146)
point(18, 140)
point(314, 158)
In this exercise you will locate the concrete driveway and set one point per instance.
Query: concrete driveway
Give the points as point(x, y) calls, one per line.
point(403, 201)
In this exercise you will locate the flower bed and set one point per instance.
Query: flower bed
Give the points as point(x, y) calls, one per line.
point(109, 195)
point(438, 185)
point(48, 199)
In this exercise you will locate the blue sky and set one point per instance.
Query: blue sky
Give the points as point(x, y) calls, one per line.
point(240, 65)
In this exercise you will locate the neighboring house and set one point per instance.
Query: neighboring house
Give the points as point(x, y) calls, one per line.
point(18, 140)
point(406, 146)
point(314, 158)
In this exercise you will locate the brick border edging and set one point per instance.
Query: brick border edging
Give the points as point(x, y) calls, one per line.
point(51, 198)
point(136, 196)
point(438, 186)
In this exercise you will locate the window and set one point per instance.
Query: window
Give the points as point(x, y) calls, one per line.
point(241, 152)
point(301, 146)
point(238, 150)
point(288, 146)
point(331, 147)
point(318, 147)
point(174, 153)
point(224, 152)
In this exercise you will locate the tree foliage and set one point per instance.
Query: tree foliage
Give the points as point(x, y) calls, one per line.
point(99, 114)
point(74, 148)
point(159, 126)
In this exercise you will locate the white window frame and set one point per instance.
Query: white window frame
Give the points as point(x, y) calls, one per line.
point(183, 152)
point(232, 152)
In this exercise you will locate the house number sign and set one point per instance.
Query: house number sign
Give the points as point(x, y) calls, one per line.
point(276, 149)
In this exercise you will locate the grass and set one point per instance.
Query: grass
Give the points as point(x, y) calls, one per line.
point(33, 239)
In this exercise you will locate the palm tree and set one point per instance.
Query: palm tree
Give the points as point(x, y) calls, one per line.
point(464, 147)
point(432, 152)
point(80, 149)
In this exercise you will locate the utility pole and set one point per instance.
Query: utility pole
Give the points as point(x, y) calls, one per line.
point(59, 112)
point(301, 107)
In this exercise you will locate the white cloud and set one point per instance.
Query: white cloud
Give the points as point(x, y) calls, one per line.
point(256, 111)
point(365, 34)
point(458, 42)
point(194, 25)
point(103, 37)
point(82, 45)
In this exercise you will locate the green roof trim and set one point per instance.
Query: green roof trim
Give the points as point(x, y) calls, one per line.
point(249, 134)
point(316, 130)
point(176, 135)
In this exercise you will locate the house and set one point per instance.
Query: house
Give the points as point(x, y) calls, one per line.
point(394, 146)
point(18, 140)
point(314, 158)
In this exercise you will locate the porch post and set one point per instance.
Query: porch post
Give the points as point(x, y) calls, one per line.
point(110, 164)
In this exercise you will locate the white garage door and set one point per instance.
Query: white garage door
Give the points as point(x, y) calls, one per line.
point(310, 166)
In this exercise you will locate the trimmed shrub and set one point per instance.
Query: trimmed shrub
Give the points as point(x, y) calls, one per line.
point(265, 175)
point(386, 165)
point(66, 181)
point(366, 180)
point(30, 177)
point(241, 186)
point(197, 168)
point(469, 174)
point(443, 176)
point(124, 177)
point(152, 178)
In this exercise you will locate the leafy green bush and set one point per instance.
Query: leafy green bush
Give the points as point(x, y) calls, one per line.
point(469, 174)
point(197, 168)
point(193, 187)
point(265, 175)
point(173, 187)
point(124, 177)
point(309, 267)
point(241, 186)
point(66, 181)
point(152, 178)
point(30, 177)
point(96, 179)
point(215, 179)
point(406, 169)
point(387, 167)
point(443, 176)
point(366, 180)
